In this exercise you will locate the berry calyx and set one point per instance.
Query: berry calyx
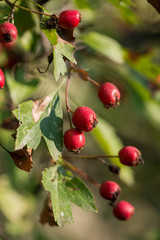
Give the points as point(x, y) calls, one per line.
point(109, 95)
point(123, 210)
point(84, 118)
point(130, 156)
point(8, 33)
point(110, 190)
point(2, 79)
point(74, 140)
point(69, 19)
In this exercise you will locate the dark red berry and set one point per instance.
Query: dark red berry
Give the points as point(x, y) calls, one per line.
point(130, 156)
point(74, 140)
point(84, 118)
point(109, 95)
point(2, 79)
point(110, 190)
point(123, 210)
point(8, 34)
point(69, 19)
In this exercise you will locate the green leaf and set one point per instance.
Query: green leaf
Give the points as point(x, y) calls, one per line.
point(65, 189)
point(19, 88)
point(110, 143)
point(104, 45)
point(40, 118)
point(61, 49)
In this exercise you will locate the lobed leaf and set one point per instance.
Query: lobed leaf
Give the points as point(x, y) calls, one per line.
point(40, 118)
point(64, 189)
point(61, 50)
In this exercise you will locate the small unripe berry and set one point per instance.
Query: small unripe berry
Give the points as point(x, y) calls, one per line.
point(84, 118)
point(74, 140)
point(109, 95)
point(110, 190)
point(8, 33)
point(130, 156)
point(123, 210)
point(69, 19)
point(2, 79)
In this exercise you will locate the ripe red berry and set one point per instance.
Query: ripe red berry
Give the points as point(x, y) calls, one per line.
point(69, 19)
point(130, 156)
point(74, 140)
point(110, 190)
point(109, 95)
point(123, 210)
point(2, 79)
point(84, 118)
point(8, 34)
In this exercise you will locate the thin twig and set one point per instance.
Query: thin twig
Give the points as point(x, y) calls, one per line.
point(84, 75)
point(4, 148)
point(81, 173)
point(12, 5)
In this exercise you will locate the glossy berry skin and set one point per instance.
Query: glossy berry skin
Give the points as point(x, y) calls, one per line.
point(123, 210)
point(109, 95)
point(130, 156)
point(8, 34)
point(110, 190)
point(2, 79)
point(69, 19)
point(74, 140)
point(84, 118)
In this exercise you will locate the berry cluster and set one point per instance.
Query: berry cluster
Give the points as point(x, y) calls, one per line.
point(84, 118)
point(122, 210)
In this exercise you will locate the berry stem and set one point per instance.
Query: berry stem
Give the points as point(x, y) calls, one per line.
point(84, 75)
point(90, 157)
point(66, 98)
point(81, 173)
point(12, 5)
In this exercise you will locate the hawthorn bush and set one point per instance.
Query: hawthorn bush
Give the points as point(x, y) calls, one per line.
point(72, 90)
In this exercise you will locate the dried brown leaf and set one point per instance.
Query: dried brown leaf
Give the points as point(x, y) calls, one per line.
point(22, 158)
point(46, 215)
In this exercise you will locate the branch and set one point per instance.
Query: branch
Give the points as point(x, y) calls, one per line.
point(81, 173)
point(155, 4)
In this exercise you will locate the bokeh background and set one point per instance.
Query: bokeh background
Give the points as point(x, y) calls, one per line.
point(117, 41)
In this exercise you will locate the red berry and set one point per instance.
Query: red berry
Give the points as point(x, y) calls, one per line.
point(130, 156)
point(109, 95)
point(74, 140)
point(110, 190)
point(2, 79)
point(8, 34)
point(84, 118)
point(69, 19)
point(123, 210)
